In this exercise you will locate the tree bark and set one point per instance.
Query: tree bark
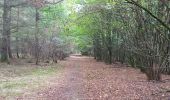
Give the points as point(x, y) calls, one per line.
point(36, 38)
point(5, 47)
point(17, 41)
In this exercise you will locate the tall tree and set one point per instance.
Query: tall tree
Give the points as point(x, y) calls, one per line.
point(5, 46)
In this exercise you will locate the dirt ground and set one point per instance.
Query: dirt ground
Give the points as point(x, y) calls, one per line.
point(85, 79)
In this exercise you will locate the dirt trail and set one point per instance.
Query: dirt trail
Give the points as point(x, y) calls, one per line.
point(86, 79)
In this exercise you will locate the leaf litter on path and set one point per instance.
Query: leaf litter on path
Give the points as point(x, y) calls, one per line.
point(85, 79)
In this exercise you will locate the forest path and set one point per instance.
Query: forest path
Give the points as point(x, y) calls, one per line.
point(85, 79)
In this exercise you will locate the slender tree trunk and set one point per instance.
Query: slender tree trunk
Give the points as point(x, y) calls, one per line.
point(17, 47)
point(9, 47)
point(17, 41)
point(9, 38)
point(6, 31)
point(36, 38)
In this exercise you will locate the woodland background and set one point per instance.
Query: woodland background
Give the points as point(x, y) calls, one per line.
point(133, 32)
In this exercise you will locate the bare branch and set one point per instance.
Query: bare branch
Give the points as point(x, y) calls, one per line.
point(149, 12)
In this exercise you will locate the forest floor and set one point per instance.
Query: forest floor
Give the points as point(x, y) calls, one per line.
point(82, 78)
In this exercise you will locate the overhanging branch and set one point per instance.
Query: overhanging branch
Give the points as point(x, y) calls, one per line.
point(149, 12)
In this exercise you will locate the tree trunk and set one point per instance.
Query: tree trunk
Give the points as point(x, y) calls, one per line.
point(17, 48)
point(9, 47)
point(17, 41)
point(153, 74)
point(36, 38)
point(110, 55)
point(5, 47)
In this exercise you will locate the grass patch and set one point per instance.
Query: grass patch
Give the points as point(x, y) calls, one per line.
point(44, 71)
point(11, 85)
point(16, 80)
